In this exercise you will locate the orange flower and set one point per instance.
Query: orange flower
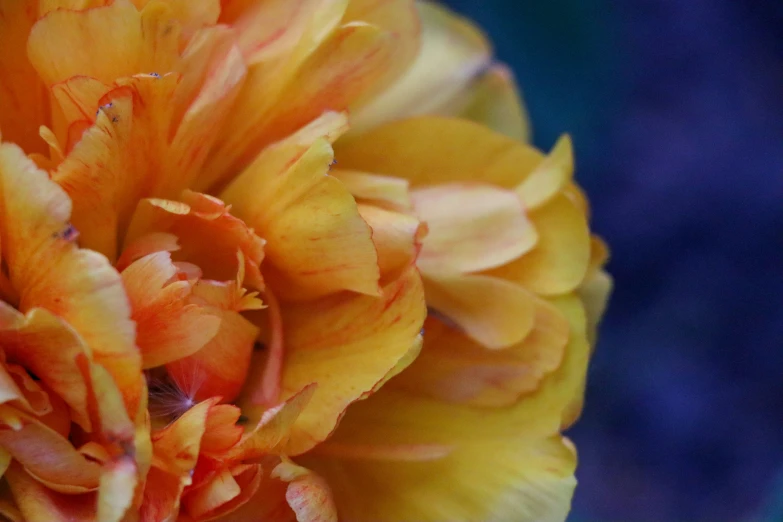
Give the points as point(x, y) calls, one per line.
point(203, 316)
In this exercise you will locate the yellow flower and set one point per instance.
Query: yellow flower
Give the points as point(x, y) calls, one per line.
point(281, 260)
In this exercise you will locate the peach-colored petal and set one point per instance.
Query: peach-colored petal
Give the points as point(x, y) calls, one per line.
point(387, 192)
point(224, 494)
point(494, 312)
point(115, 493)
point(145, 245)
point(105, 42)
point(308, 494)
point(169, 326)
point(317, 243)
point(24, 104)
point(46, 454)
point(453, 52)
point(51, 272)
point(471, 227)
point(176, 447)
point(36, 502)
point(221, 432)
point(431, 149)
point(397, 238)
point(191, 15)
point(162, 493)
point(370, 334)
point(209, 235)
point(268, 502)
point(560, 259)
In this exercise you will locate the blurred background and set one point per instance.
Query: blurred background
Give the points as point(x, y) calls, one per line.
point(676, 111)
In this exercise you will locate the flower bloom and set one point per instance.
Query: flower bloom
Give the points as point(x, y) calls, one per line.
point(282, 260)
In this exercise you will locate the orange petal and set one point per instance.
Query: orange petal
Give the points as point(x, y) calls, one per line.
point(370, 334)
point(308, 494)
point(116, 159)
point(220, 367)
point(176, 447)
point(24, 104)
point(191, 15)
point(105, 42)
point(46, 454)
point(317, 243)
point(494, 312)
point(472, 227)
point(168, 326)
point(209, 236)
point(224, 494)
point(162, 492)
point(347, 67)
point(452, 53)
point(212, 74)
point(397, 238)
point(221, 432)
point(50, 272)
point(37, 502)
point(561, 258)
point(147, 244)
point(430, 149)
point(453, 368)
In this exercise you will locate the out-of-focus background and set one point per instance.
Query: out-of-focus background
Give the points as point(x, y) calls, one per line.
point(676, 111)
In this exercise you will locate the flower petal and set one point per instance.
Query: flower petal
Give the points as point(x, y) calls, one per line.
point(317, 243)
point(209, 236)
point(321, 338)
point(50, 272)
point(115, 493)
point(560, 259)
point(471, 227)
point(494, 101)
point(494, 312)
point(307, 493)
point(162, 492)
point(520, 480)
point(432, 149)
point(37, 502)
point(176, 447)
point(387, 192)
point(105, 43)
point(24, 103)
point(453, 368)
point(397, 238)
point(169, 326)
point(453, 52)
point(550, 177)
point(223, 495)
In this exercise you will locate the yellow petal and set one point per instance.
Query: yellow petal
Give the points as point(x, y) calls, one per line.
point(494, 312)
point(471, 227)
point(317, 243)
point(560, 259)
point(191, 15)
point(369, 334)
point(453, 51)
point(105, 43)
point(24, 103)
point(507, 479)
point(431, 149)
point(176, 447)
point(550, 176)
point(115, 493)
point(594, 293)
point(494, 101)
point(50, 272)
point(453, 368)
point(169, 327)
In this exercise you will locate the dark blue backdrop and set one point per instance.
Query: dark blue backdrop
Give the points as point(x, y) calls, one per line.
point(676, 110)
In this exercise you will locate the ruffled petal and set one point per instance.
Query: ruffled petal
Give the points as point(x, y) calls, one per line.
point(317, 243)
point(370, 334)
point(397, 238)
point(550, 177)
point(308, 494)
point(37, 502)
point(471, 227)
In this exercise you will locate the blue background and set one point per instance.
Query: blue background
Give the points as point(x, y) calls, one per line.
point(676, 110)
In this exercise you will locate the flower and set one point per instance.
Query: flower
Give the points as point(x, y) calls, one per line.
point(262, 259)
